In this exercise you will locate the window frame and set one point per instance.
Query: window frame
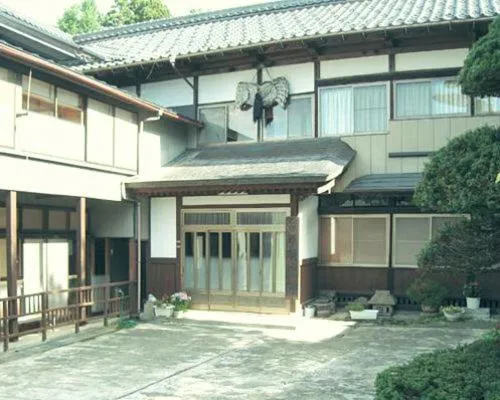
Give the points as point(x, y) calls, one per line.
point(468, 113)
point(309, 95)
point(226, 106)
point(431, 217)
point(476, 113)
point(357, 216)
point(353, 85)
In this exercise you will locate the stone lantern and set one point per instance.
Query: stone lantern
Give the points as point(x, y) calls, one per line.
point(384, 302)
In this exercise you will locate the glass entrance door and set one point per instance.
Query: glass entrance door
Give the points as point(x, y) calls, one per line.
point(237, 266)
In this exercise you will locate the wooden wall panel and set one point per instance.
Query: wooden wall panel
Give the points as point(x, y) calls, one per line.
point(292, 256)
point(352, 279)
point(161, 276)
point(308, 279)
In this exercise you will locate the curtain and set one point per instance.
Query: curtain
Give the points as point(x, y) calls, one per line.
point(447, 98)
point(411, 235)
point(370, 108)
point(278, 128)
point(300, 117)
point(280, 262)
point(201, 261)
point(370, 246)
point(412, 99)
point(241, 238)
point(336, 111)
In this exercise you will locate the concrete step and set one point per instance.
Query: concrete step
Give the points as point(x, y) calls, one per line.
point(481, 314)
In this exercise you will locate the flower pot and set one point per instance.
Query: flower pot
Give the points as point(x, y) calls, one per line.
point(309, 311)
point(453, 316)
point(363, 315)
point(179, 314)
point(473, 303)
point(167, 311)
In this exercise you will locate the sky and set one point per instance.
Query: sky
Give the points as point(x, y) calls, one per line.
point(48, 11)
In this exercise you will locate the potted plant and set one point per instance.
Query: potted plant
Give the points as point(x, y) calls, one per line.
point(428, 293)
point(163, 308)
point(181, 302)
point(452, 313)
point(472, 295)
point(357, 311)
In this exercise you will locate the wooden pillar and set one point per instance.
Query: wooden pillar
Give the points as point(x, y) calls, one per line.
point(178, 227)
point(12, 257)
point(81, 250)
point(132, 275)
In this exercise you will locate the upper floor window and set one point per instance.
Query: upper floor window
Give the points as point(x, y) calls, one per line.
point(430, 97)
point(487, 105)
point(225, 123)
point(296, 121)
point(46, 99)
point(355, 109)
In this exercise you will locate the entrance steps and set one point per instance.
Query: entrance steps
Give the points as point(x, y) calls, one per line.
point(481, 314)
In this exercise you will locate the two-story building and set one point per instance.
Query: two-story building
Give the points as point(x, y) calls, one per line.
point(264, 205)
point(67, 144)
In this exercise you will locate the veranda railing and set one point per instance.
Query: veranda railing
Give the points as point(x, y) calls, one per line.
point(64, 307)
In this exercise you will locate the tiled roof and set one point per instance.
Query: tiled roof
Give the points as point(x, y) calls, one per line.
point(384, 182)
point(301, 161)
point(267, 23)
point(52, 32)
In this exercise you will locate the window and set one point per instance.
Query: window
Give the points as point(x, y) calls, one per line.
point(487, 105)
point(433, 97)
point(69, 106)
point(293, 122)
point(225, 123)
point(42, 96)
point(355, 109)
point(412, 232)
point(354, 240)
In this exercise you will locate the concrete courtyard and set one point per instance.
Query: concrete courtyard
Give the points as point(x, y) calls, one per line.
point(201, 359)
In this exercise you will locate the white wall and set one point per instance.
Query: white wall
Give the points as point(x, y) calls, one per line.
point(222, 87)
point(430, 59)
point(100, 127)
point(163, 227)
point(7, 108)
point(299, 76)
point(172, 93)
point(126, 136)
point(308, 228)
point(112, 219)
point(26, 175)
point(144, 219)
point(236, 199)
point(150, 140)
point(354, 66)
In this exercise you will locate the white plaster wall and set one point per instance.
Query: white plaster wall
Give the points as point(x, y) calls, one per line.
point(308, 228)
point(163, 227)
point(144, 218)
point(172, 93)
point(7, 108)
point(126, 136)
point(100, 127)
point(430, 59)
point(236, 199)
point(31, 176)
point(299, 76)
point(150, 147)
point(112, 219)
point(222, 87)
point(354, 66)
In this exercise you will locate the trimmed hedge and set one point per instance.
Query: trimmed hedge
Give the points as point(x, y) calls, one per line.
point(464, 373)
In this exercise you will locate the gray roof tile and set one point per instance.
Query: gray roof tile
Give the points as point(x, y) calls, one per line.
point(315, 161)
point(270, 22)
point(384, 182)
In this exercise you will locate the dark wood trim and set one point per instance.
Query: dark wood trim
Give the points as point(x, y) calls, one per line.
point(294, 205)
point(12, 256)
point(261, 123)
point(107, 257)
point(390, 270)
point(388, 76)
point(178, 244)
point(410, 154)
point(196, 96)
point(162, 260)
point(85, 127)
point(81, 240)
point(222, 206)
point(392, 69)
point(317, 77)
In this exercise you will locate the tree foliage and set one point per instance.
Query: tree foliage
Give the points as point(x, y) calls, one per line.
point(480, 75)
point(124, 12)
point(85, 17)
point(468, 247)
point(460, 177)
point(80, 18)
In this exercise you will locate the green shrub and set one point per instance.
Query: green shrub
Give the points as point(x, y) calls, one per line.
point(427, 292)
point(465, 373)
point(356, 306)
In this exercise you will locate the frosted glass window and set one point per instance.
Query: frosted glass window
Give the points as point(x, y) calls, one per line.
point(3, 218)
point(293, 122)
point(430, 98)
point(32, 218)
point(348, 240)
point(353, 109)
point(41, 96)
point(261, 218)
point(206, 218)
point(241, 127)
point(57, 220)
point(411, 235)
point(214, 130)
point(487, 105)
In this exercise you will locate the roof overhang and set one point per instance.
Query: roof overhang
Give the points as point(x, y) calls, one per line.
point(384, 183)
point(32, 61)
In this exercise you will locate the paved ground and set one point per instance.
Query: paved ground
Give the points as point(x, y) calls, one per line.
point(186, 359)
